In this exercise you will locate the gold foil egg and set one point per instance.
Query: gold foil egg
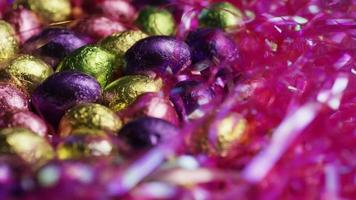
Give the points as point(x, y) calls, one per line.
point(9, 45)
point(27, 145)
point(229, 130)
point(221, 135)
point(124, 91)
point(85, 143)
point(119, 43)
point(26, 71)
point(51, 10)
point(89, 115)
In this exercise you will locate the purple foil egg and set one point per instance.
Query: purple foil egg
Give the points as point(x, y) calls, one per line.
point(213, 45)
point(53, 44)
point(12, 98)
point(189, 95)
point(62, 91)
point(24, 119)
point(146, 132)
point(157, 53)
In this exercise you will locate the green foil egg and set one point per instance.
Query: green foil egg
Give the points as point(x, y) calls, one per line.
point(119, 43)
point(51, 10)
point(156, 21)
point(124, 91)
point(25, 144)
point(222, 15)
point(26, 71)
point(92, 60)
point(85, 143)
point(9, 45)
point(89, 115)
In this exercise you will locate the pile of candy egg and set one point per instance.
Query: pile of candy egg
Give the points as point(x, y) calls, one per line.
point(177, 99)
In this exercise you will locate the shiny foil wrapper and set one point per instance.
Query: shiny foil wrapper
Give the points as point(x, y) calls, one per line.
point(151, 105)
point(99, 26)
point(124, 91)
point(51, 11)
point(220, 134)
point(62, 91)
point(26, 72)
point(91, 60)
point(25, 22)
point(24, 119)
point(12, 98)
point(9, 45)
point(221, 15)
point(25, 144)
point(85, 143)
point(89, 115)
point(119, 43)
point(156, 21)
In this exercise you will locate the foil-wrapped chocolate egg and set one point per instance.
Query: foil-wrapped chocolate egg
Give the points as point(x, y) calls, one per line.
point(162, 54)
point(152, 104)
point(25, 144)
point(24, 119)
point(99, 27)
point(53, 44)
point(222, 133)
point(85, 143)
point(25, 22)
point(62, 91)
point(9, 45)
point(124, 91)
point(213, 45)
point(222, 15)
point(12, 98)
point(119, 43)
point(91, 60)
point(156, 21)
point(89, 115)
point(146, 132)
point(51, 11)
point(121, 10)
point(26, 71)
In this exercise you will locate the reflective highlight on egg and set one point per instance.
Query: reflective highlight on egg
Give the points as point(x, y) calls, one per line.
point(122, 92)
point(89, 115)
